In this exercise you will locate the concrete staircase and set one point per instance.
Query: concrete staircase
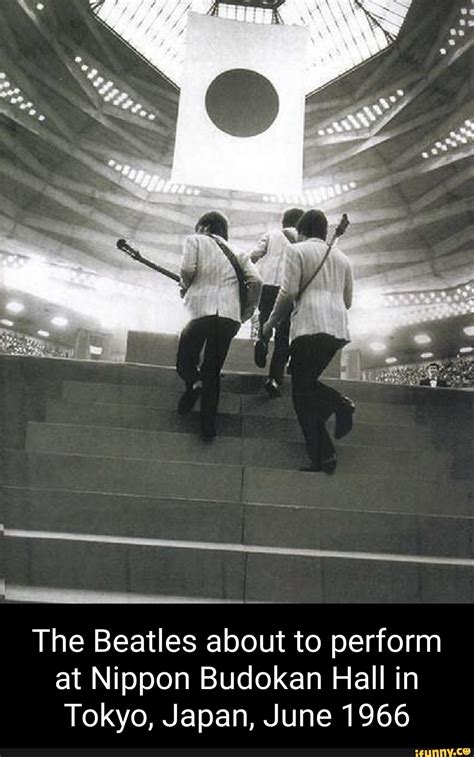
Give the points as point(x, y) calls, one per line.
point(109, 495)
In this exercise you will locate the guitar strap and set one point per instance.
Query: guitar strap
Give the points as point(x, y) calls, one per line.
point(235, 265)
point(303, 290)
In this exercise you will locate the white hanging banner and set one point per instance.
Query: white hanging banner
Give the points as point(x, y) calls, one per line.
point(241, 109)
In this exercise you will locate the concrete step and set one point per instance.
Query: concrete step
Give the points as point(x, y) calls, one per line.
point(246, 573)
point(135, 417)
point(378, 493)
point(48, 595)
point(111, 564)
point(272, 453)
point(250, 426)
point(258, 403)
point(361, 531)
point(121, 514)
point(218, 483)
point(268, 525)
point(382, 492)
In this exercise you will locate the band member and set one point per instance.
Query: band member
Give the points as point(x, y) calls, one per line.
point(432, 377)
point(318, 330)
point(269, 255)
point(210, 288)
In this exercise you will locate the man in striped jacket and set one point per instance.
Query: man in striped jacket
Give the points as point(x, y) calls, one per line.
point(210, 288)
point(319, 328)
point(269, 255)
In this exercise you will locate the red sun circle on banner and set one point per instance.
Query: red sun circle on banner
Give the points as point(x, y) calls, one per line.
point(242, 103)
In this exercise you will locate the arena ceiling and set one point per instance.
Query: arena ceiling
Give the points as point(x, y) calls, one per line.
point(87, 135)
point(342, 33)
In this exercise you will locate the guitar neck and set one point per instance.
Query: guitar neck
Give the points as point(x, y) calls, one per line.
point(160, 269)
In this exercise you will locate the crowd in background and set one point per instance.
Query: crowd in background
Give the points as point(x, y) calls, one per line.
point(14, 343)
point(457, 372)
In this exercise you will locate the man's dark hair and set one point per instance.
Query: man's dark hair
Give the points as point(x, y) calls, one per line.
point(217, 223)
point(433, 365)
point(313, 224)
point(291, 217)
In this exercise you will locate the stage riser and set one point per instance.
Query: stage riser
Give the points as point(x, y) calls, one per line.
point(231, 483)
point(300, 528)
point(161, 349)
point(118, 443)
point(231, 575)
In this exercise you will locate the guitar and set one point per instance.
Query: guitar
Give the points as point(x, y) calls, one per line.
point(127, 248)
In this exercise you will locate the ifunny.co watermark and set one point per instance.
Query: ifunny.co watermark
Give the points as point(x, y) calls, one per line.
point(459, 752)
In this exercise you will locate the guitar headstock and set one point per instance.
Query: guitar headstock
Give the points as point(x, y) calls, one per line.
point(342, 226)
point(125, 247)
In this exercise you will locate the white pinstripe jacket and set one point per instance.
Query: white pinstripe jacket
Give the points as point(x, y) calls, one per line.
point(210, 281)
point(323, 306)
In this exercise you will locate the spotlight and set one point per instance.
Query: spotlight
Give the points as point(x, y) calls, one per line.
point(469, 330)
point(59, 321)
point(6, 322)
point(466, 349)
point(422, 338)
point(43, 333)
point(426, 355)
point(15, 307)
point(390, 360)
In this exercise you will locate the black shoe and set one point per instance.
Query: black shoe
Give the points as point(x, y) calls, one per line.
point(272, 388)
point(329, 466)
point(260, 352)
point(188, 399)
point(344, 414)
point(208, 432)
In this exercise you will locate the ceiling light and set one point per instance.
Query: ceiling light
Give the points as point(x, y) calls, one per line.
point(390, 360)
point(59, 321)
point(422, 338)
point(469, 330)
point(40, 6)
point(43, 333)
point(378, 346)
point(15, 307)
point(466, 349)
point(426, 355)
point(6, 322)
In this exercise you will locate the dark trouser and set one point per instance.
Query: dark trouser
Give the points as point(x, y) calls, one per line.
point(214, 334)
point(282, 331)
point(313, 401)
